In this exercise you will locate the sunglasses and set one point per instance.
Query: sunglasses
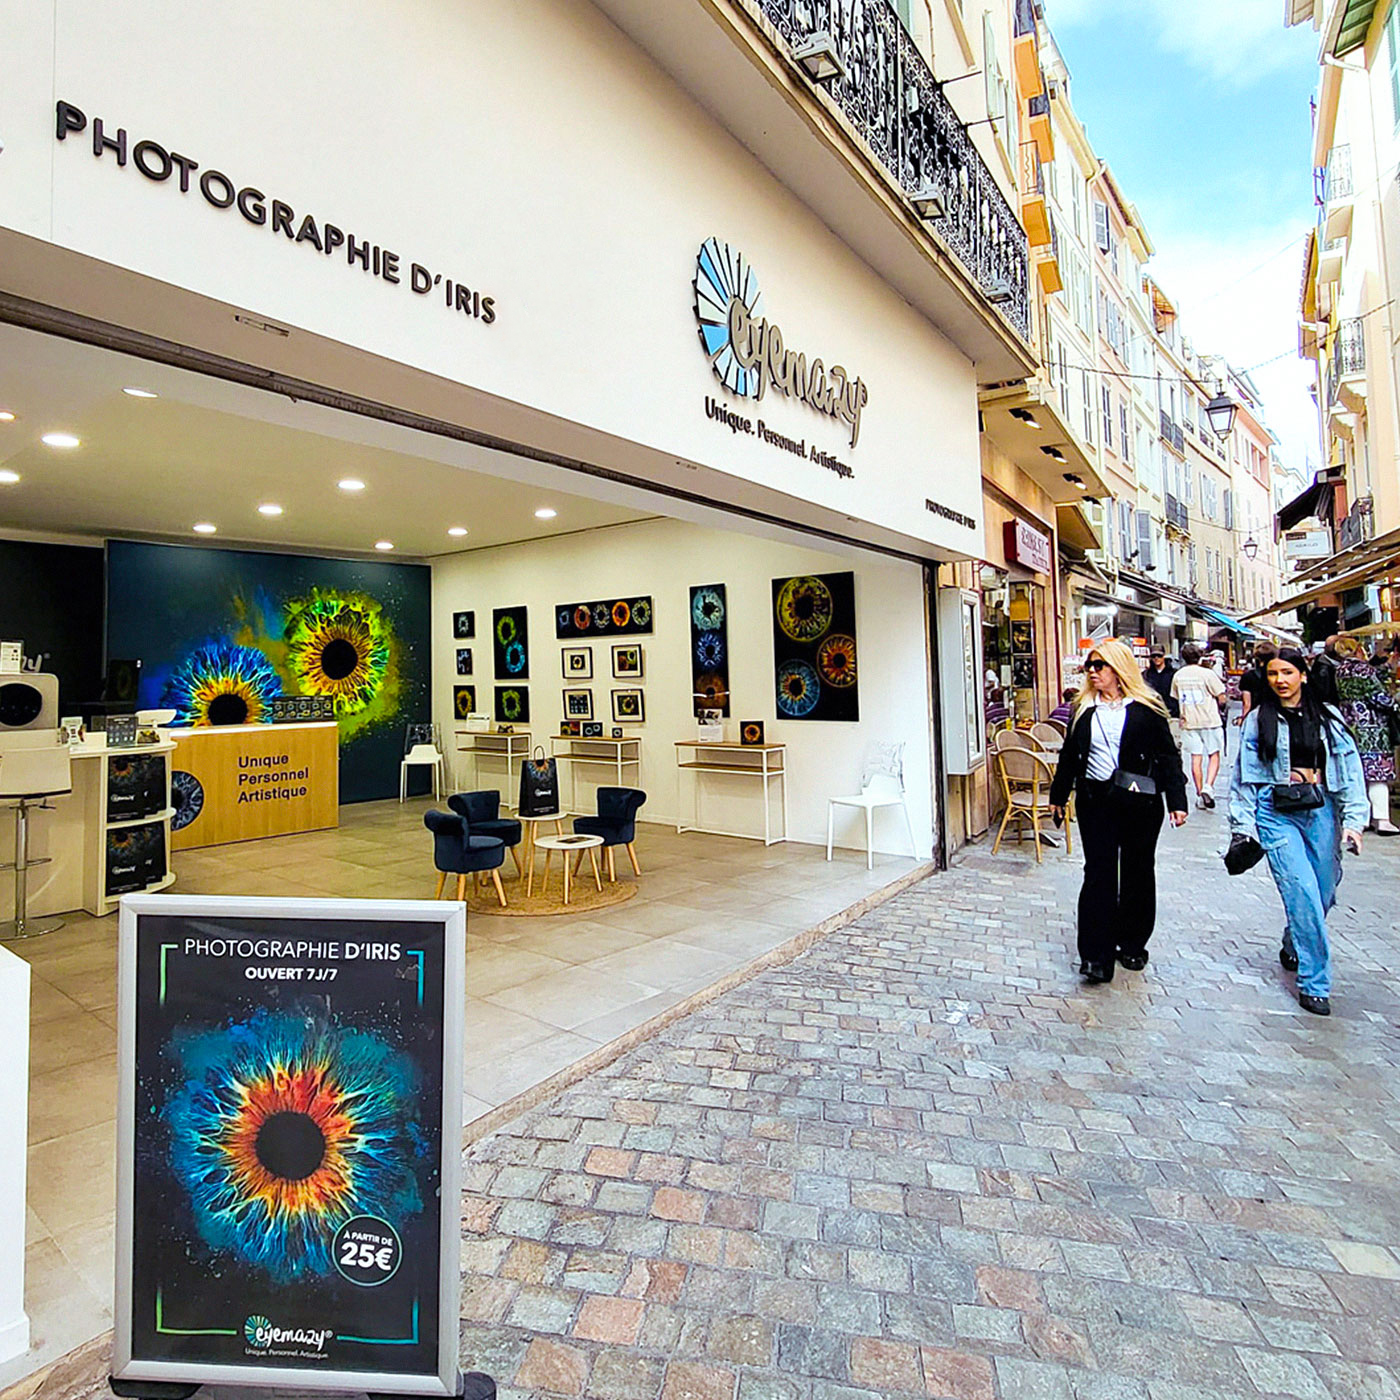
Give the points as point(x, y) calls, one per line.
point(1097, 664)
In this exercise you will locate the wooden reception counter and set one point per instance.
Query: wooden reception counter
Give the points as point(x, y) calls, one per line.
point(244, 781)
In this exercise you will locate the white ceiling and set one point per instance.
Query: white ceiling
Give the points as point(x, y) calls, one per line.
point(206, 450)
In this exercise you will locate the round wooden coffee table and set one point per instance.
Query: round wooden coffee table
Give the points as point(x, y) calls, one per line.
point(567, 846)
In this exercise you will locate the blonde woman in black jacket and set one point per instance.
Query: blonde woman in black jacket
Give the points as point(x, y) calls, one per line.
point(1121, 761)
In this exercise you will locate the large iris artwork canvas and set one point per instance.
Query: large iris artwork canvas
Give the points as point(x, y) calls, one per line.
point(288, 1142)
point(709, 648)
point(510, 643)
point(222, 634)
point(814, 647)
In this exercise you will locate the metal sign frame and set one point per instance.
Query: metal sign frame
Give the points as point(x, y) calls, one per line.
point(451, 918)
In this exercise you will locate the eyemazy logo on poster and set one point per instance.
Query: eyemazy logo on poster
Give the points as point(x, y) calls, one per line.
point(261, 1335)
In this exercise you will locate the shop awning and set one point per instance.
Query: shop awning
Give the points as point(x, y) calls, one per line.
point(1075, 528)
point(1373, 572)
point(1221, 619)
point(1316, 500)
point(1025, 422)
point(1345, 560)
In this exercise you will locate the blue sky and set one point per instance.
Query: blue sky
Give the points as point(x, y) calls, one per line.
point(1201, 108)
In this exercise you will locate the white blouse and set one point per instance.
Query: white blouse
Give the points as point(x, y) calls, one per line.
point(1105, 722)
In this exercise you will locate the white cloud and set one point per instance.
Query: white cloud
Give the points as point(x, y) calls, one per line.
point(1238, 297)
point(1238, 42)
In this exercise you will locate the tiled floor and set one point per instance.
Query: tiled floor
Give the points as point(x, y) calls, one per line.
point(542, 994)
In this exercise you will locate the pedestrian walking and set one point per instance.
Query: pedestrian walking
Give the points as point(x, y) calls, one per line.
point(1197, 691)
point(1369, 708)
point(1253, 683)
point(1299, 791)
point(1120, 760)
point(1158, 676)
point(1322, 676)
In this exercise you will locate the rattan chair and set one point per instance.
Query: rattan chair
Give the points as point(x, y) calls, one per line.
point(1048, 736)
point(1025, 781)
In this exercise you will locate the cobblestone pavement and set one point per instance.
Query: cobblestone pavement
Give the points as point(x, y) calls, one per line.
point(923, 1160)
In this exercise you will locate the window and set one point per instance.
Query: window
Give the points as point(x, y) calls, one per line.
point(1102, 237)
point(1077, 195)
point(1088, 408)
point(1392, 47)
point(1230, 521)
point(1107, 418)
point(997, 91)
point(1064, 382)
point(901, 8)
point(1123, 435)
point(1144, 541)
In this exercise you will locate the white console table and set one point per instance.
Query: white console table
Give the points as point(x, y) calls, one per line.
point(617, 754)
point(765, 763)
point(511, 749)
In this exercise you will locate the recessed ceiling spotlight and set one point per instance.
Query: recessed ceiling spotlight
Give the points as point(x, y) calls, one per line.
point(135, 393)
point(60, 440)
point(203, 527)
point(6, 416)
point(384, 544)
point(269, 509)
point(546, 513)
point(351, 483)
point(7, 477)
point(457, 531)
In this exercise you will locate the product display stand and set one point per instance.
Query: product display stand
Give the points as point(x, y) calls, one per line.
point(512, 749)
point(101, 891)
point(617, 754)
point(767, 762)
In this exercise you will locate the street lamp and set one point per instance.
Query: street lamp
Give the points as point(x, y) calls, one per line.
point(1250, 548)
point(1221, 411)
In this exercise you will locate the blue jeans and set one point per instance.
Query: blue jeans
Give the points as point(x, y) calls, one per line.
point(1305, 859)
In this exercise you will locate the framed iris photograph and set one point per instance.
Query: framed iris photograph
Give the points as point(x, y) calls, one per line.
point(464, 661)
point(593, 729)
point(578, 704)
point(463, 700)
point(463, 625)
point(751, 733)
point(627, 663)
point(570, 729)
point(577, 663)
point(628, 707)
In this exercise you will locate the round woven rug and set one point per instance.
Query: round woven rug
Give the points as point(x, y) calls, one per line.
point(584, 895)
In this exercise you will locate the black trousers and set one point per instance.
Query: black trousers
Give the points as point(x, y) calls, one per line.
point(1118, 903)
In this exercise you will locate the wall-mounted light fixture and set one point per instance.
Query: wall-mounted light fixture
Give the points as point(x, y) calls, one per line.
point(819, 57)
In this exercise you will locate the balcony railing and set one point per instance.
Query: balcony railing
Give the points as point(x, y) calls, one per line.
point(1172, 434)
point(889, 94)
point(1348, 356)
point(1178, 514)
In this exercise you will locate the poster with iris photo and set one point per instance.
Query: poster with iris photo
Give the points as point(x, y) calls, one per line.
point(709, 648)
point(510, 643)
point(289, 1125)
point(512, 704)
point(814, 647)
point(605, 617)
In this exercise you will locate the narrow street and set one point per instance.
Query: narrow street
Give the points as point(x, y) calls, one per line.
point(923, 1160)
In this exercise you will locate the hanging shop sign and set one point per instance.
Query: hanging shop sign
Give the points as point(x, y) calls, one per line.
point(1026, 546)
point(749, 356)
point(163, 165)
point(289, 1139)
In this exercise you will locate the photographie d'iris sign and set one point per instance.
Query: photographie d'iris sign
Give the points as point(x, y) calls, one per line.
point(289, 1126)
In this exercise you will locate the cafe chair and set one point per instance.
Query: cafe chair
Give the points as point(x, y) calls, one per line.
point(482, 813)
point(456, 851)
point(616, 823)
point(1048, 736)
point(422, 756)
point(1025, 783)
point(33, 768)
point(878, 790)
point(1013, 739)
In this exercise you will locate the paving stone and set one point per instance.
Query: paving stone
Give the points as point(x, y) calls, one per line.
point(957, 1375)
point(1277, 1373)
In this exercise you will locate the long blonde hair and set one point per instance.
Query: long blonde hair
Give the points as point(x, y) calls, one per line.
point(1123, 664)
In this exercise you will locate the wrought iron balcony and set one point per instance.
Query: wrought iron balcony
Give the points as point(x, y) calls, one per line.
point(1178, 515)
point(890, 96)
point(1337, 180)
point(1348, 356)
point(1172, 434)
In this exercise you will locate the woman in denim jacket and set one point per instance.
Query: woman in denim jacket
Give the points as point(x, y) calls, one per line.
point(1288, 738)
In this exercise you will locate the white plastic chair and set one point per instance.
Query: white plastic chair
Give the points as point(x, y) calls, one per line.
point(422, 756)
point(880, 790)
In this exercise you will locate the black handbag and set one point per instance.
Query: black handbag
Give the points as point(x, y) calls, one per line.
point(1297, 797)
point(1138, 783)
point(1244, 854)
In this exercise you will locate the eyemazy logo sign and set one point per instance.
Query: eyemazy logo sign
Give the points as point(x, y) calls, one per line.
point(259, 1332)
point(746, 350)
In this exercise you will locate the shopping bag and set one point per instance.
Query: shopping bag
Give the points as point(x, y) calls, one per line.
point(539, 785)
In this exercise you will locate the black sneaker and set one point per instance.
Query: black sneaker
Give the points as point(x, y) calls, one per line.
point(1208, 800)
point(1288, 954)
point(1094, 972)
point(1133, 961)
point(1319, 1006)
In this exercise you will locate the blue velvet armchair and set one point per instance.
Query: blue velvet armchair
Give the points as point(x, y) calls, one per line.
point(482, 813)
point(616, 823)
point(456, 851)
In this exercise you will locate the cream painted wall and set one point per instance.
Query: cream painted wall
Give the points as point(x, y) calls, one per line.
point(665, 559)
point(527, 149)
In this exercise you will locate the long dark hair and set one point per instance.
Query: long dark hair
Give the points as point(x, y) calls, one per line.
point(1315, 716)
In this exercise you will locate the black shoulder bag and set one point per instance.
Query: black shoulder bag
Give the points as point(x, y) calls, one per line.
point(1138, 783)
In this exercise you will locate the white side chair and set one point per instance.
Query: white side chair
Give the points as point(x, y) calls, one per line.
point(33, 767)
point(422, 756)
point(880, 790)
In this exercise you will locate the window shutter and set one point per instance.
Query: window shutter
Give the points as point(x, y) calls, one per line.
point(1101, 234)
point(1144, 531)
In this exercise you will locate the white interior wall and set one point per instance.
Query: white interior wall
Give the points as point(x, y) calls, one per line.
point(665, 558)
